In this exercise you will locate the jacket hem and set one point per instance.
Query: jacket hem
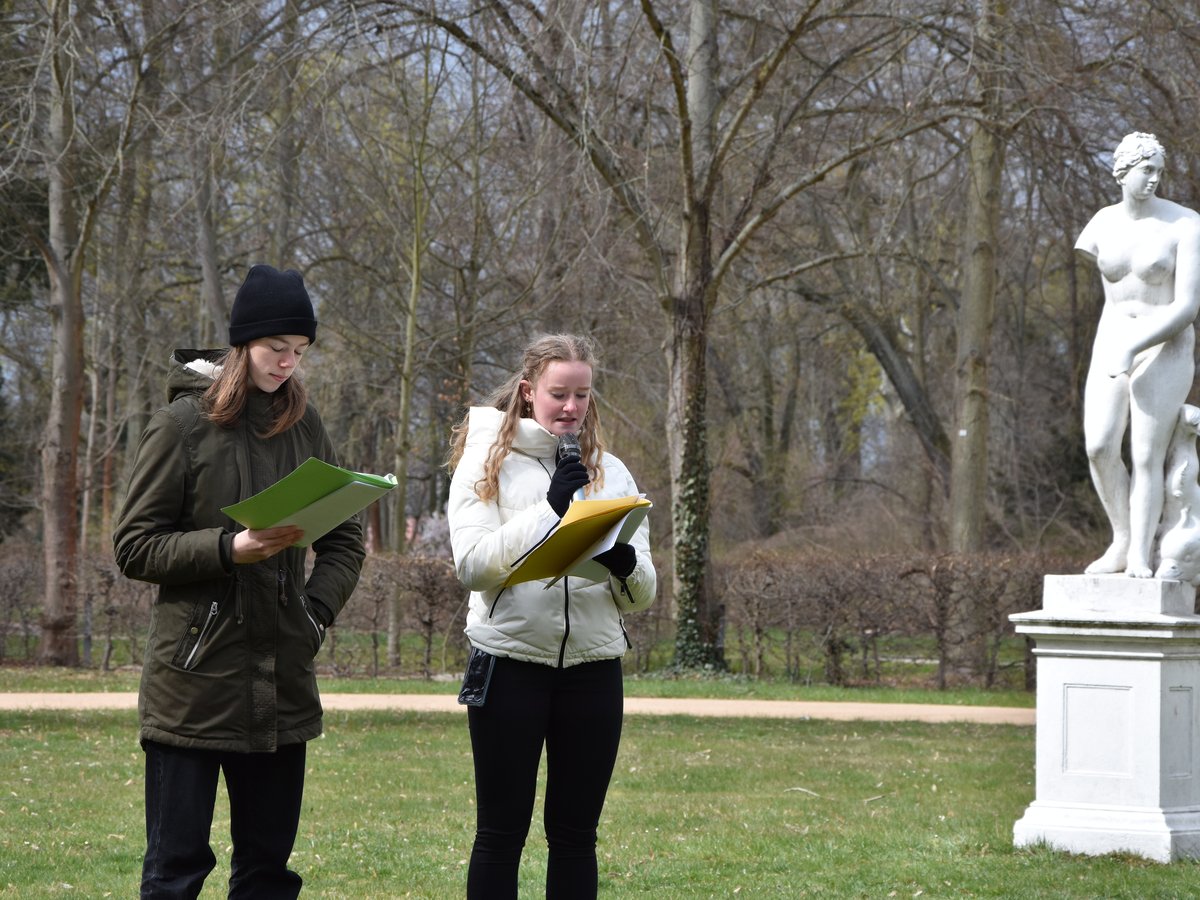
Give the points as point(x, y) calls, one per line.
point(226, 745)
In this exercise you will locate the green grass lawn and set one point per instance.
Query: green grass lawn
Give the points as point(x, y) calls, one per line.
point(698, 808)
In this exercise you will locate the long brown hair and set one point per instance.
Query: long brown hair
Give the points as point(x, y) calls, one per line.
point(507, 398)
point(224, 402)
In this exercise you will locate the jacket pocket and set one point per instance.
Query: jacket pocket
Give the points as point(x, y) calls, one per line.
point(318, 630)
point(623, 596)
point(199, 628)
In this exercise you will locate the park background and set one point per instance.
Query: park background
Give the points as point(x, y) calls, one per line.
point(825, 248)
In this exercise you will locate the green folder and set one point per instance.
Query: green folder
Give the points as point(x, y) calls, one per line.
point(317, 497)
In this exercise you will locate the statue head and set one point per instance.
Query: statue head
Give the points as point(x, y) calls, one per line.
point(1132, 150)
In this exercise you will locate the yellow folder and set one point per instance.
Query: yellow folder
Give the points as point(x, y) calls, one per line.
point(589, 527)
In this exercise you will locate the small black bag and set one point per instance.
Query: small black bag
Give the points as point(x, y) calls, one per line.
point(477, 678)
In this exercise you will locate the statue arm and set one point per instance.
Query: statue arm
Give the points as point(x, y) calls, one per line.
point(1087, 244)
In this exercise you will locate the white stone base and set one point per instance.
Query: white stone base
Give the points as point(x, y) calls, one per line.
point(1092, 830)
point(1118, 718)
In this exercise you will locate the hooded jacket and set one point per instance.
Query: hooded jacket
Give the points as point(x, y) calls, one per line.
point(229, 657)
point(576, 620)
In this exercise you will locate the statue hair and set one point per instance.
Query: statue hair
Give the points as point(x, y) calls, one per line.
point(1134, 148)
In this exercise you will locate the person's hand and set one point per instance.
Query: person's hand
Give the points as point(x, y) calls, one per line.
point(568, 477)
point(255, 545)
point(620, 559)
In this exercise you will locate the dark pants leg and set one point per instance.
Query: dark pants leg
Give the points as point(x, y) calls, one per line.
point(576, 713)
point(181, 790)
point(265, 791)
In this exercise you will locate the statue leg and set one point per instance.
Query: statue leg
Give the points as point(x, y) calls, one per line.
point(1111, 479)
point(1158, 394)
point(1105, 415)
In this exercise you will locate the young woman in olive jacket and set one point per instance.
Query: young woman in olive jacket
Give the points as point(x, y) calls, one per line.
point(545, 664)
point(228, 682)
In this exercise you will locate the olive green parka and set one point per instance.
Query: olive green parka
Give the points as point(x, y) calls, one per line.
point(229, 661)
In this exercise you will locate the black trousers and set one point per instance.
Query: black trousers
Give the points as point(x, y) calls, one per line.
point(576, 713)
point(265, 791)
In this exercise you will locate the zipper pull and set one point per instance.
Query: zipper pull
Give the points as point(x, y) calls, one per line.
point(283, 600)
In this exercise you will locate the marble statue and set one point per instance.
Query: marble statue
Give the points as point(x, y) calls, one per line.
point(1179, 546)
point(1148, 252)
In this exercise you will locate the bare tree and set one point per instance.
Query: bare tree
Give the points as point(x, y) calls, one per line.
point(73, 209)
point(717, 216)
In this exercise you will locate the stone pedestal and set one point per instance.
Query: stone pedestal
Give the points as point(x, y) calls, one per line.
point(1118, 717)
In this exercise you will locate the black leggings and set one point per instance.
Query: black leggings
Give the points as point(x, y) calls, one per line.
point(576, 712)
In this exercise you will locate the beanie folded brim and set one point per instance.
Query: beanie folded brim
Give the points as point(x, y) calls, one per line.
point(244, 334)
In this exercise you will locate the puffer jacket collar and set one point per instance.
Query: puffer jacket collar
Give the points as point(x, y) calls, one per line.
point(531, 439)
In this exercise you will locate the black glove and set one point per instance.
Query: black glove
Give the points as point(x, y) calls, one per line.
point(620, 559)
point(569, 477)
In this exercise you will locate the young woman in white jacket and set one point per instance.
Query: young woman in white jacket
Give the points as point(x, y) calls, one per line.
point(545, 665)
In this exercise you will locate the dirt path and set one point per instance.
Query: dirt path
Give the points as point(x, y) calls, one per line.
point(657, 706)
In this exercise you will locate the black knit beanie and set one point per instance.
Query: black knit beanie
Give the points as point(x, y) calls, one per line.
point(271, 303)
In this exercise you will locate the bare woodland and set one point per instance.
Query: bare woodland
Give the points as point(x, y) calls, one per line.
point(824, 245)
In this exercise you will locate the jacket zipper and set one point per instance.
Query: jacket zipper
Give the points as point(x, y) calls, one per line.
point(625, 588)
point(312, 620)
point(562, 648)
point(492, 611)
point(517, 562)
point(620, 616)
point(282, 579)
point(212, 617)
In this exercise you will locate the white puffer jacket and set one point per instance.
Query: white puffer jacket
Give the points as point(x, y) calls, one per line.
point(576, 620)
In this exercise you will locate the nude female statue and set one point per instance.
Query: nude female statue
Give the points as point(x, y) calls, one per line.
point(1148, 252)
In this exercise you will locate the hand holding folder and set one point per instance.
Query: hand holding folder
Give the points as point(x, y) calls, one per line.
point(589, 527)
point(316, 497)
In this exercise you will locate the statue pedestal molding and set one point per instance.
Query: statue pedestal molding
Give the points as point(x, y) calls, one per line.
point(1118, 717)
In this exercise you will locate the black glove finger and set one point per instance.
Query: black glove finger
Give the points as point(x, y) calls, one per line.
point(620, 559)
point(571, 473)
point(569, 468)
point(569, 477)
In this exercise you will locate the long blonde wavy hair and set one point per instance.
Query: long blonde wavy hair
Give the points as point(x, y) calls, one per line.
point(507, 398)
point(224, 402)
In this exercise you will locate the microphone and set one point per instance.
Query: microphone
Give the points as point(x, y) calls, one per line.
point(568, 448)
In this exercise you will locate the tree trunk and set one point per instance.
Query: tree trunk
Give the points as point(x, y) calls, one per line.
point(288, 149)
point(969, 458)
point(418, 249)
point(698, 620)
point(976, 314)
point(60, 538)
point(698, 641)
